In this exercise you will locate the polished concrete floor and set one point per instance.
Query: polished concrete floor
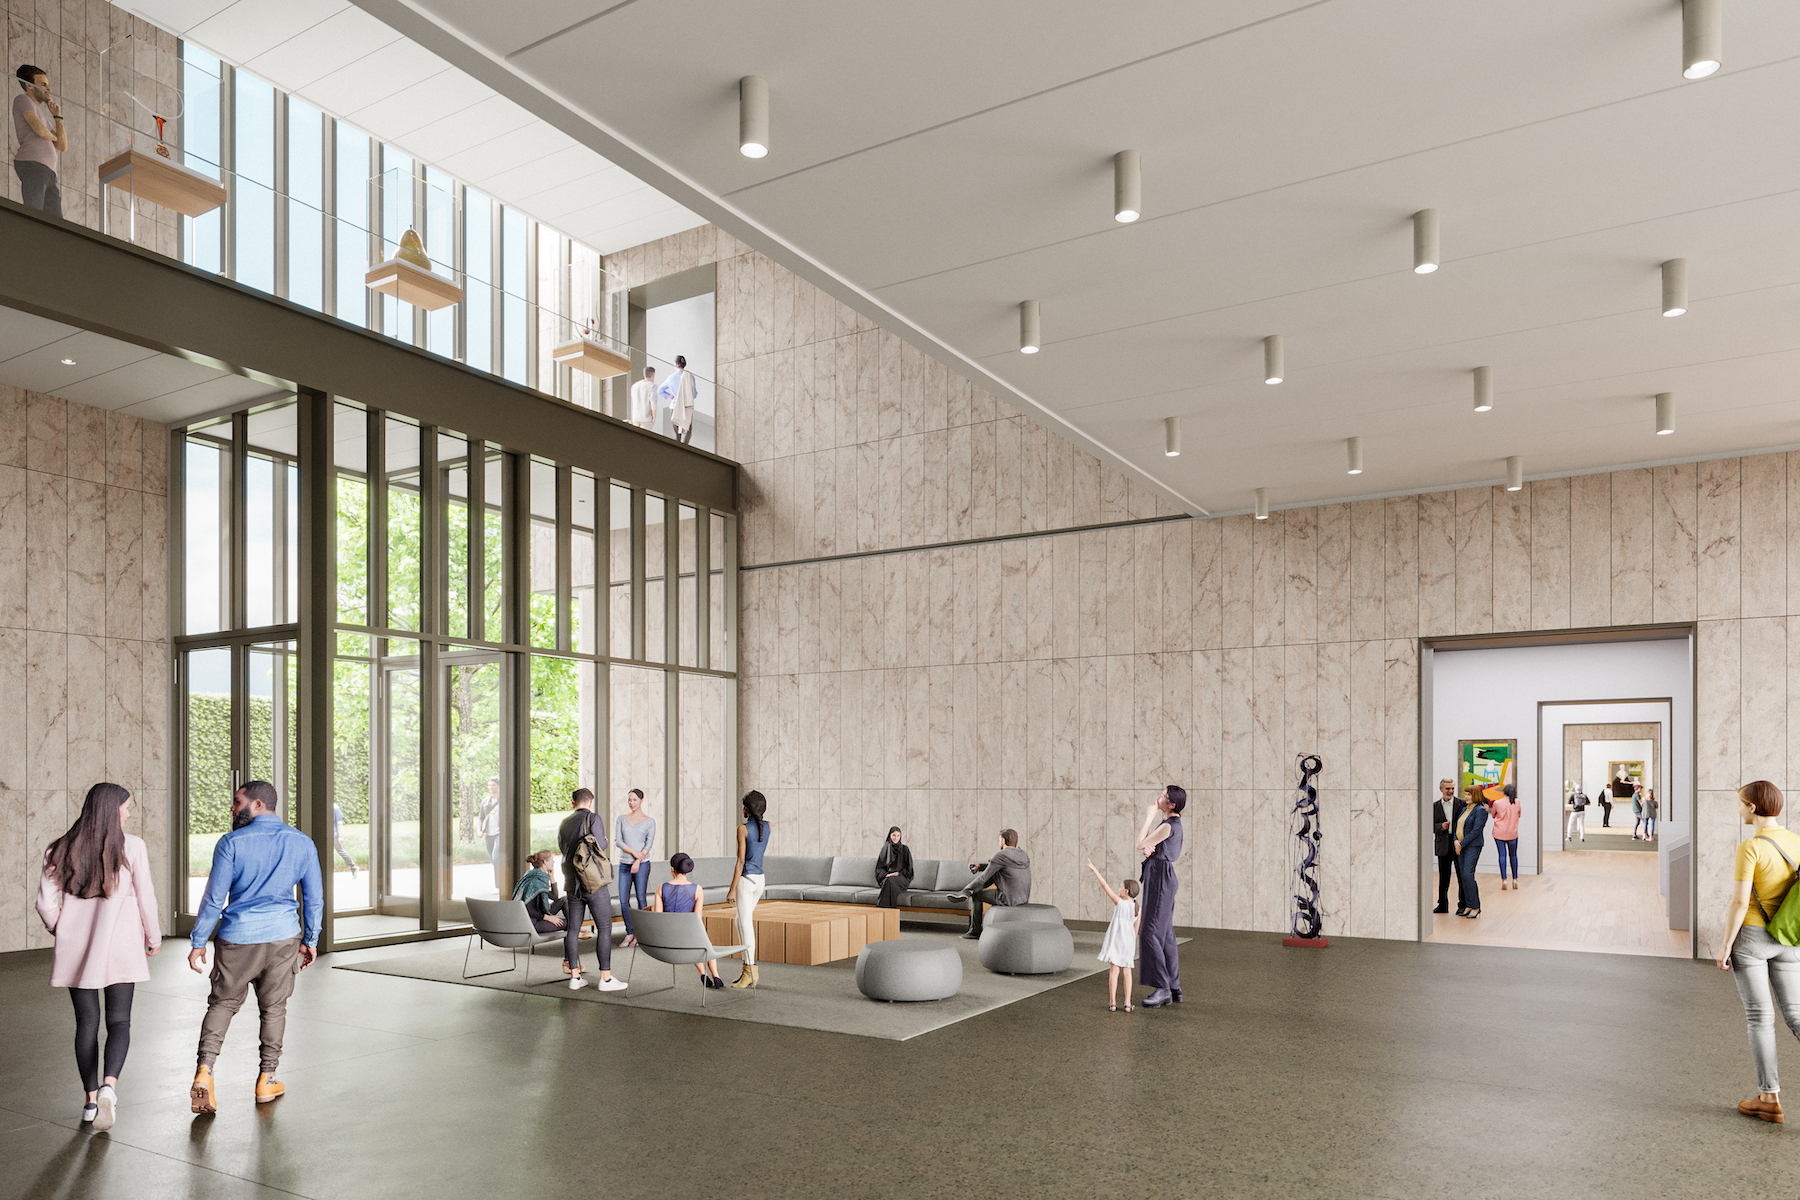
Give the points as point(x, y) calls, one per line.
point(1371, 1069)
point(1597, 901)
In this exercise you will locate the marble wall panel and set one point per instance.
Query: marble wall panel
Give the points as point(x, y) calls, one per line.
point(1590, 550)
point(1716, 521)
point(1675, 546)
point(1763, 700)
point(1236, 584)
point(12, 546)
point(1437, 564)
point(1551, 567)
point(1475, 560)
point(1368, 864)
point(1763, 535)
point(1368, 568)
point(1512, 560)
point(1400, 586)
point(17, 914)
point(1633, 586)
point(1718, 705)
point(1268, 579)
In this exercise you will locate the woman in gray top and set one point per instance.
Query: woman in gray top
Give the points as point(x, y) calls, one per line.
point(634, 833)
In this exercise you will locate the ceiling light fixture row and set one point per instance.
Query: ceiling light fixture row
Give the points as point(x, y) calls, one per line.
point(1171, 437)
point(1262, 504)
point(1515, 474)
point(1353, 451)
point(1030, 328)
point(1128, 187)
point(1274, 359)
point(1665, 412)
point(1674, 281)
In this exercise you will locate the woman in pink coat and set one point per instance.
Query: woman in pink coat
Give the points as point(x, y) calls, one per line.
point(98, 898)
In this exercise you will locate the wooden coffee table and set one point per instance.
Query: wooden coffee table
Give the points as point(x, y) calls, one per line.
point(805, 933)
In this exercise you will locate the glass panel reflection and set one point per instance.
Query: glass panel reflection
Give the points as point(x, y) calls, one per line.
point(209, 766)
point(476, 857)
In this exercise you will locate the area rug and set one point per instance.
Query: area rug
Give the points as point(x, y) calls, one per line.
point(823, 997)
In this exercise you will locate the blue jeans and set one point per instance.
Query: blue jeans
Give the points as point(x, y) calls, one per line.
point(1504, 847)
point(1467, 892)
point(626, 881)
point(1650, 827)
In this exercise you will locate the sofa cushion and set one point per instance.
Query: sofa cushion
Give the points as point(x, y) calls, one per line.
point(811, 869)
point(834, 895)
point(925, 873)
point(865, 896)
point(953, 876)
point(787, 891)
point(712, 872)
point(932, 900)
point(857, 871)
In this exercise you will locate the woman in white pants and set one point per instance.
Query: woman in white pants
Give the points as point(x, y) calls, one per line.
point(747, 880)
point(1578, 803)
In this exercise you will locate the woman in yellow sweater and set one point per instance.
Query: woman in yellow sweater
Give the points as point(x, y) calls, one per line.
point(1765, 870)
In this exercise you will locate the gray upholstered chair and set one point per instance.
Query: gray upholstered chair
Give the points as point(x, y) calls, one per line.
point(909, 969)
point(1026, 948)
point(507, 925)
point(678, 939)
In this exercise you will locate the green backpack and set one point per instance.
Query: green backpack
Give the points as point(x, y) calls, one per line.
point(1784, 926)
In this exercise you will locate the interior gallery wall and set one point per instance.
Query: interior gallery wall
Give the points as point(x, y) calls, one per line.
point(84, 648)
point(1054, 681)
point(1494, 694)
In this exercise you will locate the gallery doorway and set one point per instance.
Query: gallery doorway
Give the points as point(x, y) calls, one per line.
point(1591, 732)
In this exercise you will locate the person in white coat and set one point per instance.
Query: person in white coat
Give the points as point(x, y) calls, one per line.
point(643, 400)
point(680, 392)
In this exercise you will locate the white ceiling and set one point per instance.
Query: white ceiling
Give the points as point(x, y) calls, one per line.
point(936, 162)
point(111, 374)
point(337, 57)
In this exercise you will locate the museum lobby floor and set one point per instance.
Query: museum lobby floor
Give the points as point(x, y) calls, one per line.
point(1371, 1069)
point(1601, 901)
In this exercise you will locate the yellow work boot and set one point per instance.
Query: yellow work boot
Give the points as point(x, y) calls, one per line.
point(267, 1089)
point(747, 977)
point(201, 1093)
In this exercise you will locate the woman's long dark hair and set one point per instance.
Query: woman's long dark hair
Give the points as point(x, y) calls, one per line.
point(86, 859)
point(755, 805)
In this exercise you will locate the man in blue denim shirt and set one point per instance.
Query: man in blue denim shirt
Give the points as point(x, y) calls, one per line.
point(261, 941)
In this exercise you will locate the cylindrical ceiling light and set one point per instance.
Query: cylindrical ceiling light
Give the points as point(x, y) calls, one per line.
point(1484, 389)
point(1674, 275)
point(1128, 187)
point(1171, 437)
point(1353, 449)
point(1665, 412)
point(1030, 333)
point(1274, 359)
point(753, 116)
point(1262, 504)
point(1702, 37)
point(1515, 474)
point(1425, 241)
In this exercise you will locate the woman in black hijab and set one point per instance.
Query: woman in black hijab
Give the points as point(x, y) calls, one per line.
point(893, 869)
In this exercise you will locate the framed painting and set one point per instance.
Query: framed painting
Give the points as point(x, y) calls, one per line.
point(1486, 763)
point(1623, 776)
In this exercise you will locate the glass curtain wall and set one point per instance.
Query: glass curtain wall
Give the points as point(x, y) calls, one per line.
point(314, 203)
point(478, 675)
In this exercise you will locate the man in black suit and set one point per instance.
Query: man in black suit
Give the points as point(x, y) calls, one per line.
point(1444, 811)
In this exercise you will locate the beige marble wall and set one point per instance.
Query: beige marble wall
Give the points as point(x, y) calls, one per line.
point(67, 39)
point(1053, 683)
point(84, 652)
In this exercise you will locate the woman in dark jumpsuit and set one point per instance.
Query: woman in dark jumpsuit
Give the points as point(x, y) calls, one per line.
point(1160, 843)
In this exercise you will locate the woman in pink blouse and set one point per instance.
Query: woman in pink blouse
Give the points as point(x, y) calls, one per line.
point(98, 897)
point(1504, 804)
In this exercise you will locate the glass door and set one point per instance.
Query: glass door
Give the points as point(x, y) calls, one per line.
point(238, 724)
point(396, 799)
point(476, 848)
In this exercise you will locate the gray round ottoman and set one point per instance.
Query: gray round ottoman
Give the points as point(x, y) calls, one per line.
point(908, 970)
point(1006, 914)
point(1026, 948)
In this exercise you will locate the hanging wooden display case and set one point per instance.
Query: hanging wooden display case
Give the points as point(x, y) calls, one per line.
point(594, 359)
point(156, 179)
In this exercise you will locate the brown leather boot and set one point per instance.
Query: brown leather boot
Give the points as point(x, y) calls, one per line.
point(747, 977)
point(201, 1093)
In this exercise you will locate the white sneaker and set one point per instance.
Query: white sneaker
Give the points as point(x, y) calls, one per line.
point(108, 1102)
point(611, 985)
point(89, 1111)
point(577, 983)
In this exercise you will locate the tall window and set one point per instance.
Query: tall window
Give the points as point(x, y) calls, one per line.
point(253, 198)
point(200, 150)
point(306, 205)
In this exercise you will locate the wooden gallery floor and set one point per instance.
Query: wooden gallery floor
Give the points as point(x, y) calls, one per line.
point(1605, 902)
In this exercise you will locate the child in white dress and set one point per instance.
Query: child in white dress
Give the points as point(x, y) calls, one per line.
point(1119, 949)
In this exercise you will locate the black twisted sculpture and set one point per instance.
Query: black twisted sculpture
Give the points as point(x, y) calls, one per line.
point(1307, 921)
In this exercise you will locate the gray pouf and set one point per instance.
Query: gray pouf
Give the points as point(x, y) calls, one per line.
point(1004, 914)
point(908, 970)
point(1026, 948)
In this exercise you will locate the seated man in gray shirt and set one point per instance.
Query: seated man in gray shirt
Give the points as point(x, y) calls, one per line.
point(1010, 873)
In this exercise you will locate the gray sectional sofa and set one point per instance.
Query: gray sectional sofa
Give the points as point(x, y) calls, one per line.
point(837, 880)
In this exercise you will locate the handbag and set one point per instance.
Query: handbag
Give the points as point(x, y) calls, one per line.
point(1784, 926)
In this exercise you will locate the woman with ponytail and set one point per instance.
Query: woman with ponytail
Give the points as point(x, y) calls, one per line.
point(97, 897)
point(747, 880)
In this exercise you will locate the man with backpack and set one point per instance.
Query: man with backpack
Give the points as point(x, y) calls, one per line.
point(588, 874)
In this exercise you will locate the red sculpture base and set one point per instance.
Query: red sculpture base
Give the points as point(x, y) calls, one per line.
point(1318, 943)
